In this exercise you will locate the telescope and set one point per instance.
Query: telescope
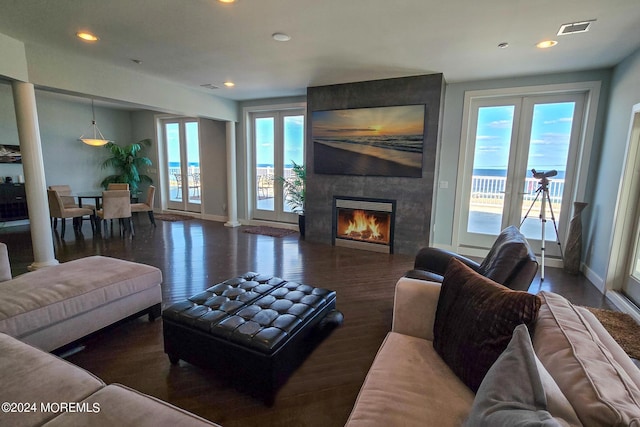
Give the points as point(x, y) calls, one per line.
point(543, 175)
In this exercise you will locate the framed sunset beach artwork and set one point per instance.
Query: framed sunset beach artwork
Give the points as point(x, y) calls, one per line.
point(376, 141)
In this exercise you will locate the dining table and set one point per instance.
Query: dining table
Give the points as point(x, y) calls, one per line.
point(96, 195)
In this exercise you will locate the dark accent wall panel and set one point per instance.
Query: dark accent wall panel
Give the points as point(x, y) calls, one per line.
point(414, 196)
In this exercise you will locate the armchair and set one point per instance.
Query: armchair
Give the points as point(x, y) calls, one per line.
point(510, 262)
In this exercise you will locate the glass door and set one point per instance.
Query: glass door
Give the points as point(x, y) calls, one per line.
point(631, 287)
point(278, 143)
point(509, 137)
point(183, 164)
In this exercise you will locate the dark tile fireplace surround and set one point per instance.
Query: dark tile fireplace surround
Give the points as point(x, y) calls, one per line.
point(413, 196)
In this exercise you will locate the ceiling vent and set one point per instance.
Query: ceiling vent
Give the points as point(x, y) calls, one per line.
point(575, 27)
point(210, 86)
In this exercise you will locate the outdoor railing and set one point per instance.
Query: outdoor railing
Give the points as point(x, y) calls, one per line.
point(489, 191)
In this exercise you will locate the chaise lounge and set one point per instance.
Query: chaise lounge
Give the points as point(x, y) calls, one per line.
point(56, 305)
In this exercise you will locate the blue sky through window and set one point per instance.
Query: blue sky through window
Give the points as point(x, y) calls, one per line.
point(550, 136)
point(293, 137)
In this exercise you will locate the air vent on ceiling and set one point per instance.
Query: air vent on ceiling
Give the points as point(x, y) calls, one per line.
point(209, 86)
point(575, 27)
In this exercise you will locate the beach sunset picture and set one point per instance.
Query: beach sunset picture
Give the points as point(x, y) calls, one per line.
point(379, 141)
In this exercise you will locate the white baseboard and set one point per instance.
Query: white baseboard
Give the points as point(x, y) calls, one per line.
point(596, 280)
point(623, 304)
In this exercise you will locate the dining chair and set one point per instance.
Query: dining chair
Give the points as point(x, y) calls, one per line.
point(118, 186)
point(57, 209)
point(146, 206)
point(116, 204)
point(67, 199)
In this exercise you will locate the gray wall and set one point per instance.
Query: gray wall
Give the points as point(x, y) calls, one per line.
point(62, 120)
point(414, 196)
point(625, 92)
point(213, 167)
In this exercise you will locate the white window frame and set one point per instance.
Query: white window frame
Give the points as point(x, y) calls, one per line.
point(248, 138)
point(591, 91)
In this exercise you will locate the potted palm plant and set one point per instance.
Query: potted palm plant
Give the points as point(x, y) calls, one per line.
point(127, 163)
point(294, 192)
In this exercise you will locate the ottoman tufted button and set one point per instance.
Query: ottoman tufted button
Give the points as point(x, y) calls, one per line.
point(295, 296)
point(281, 305)
point(300, 310)
point(265, 317)
point(248, 312)
point(215, 302)
point(286, 322)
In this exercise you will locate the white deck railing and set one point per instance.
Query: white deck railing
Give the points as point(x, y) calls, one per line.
point(489, 190)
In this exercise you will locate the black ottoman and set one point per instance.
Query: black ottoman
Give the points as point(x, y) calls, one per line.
point(253, 330)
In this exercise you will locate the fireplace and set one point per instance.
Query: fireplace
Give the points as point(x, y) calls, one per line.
point(363, 223)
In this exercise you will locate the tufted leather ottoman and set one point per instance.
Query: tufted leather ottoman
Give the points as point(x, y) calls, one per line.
point(253, 330)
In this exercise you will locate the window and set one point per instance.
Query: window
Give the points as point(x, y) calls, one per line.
point(277, 143)
point(508, 135)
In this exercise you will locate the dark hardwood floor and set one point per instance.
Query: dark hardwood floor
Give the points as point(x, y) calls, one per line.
point(194, 255)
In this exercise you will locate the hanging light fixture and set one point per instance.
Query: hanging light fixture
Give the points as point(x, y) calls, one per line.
point(95, 141)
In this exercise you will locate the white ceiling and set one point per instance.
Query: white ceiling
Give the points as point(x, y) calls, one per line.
point(196, 42)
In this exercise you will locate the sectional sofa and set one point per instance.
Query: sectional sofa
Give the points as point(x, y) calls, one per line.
point(562, 368)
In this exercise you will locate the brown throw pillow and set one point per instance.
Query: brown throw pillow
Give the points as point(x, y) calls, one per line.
point(475, 319)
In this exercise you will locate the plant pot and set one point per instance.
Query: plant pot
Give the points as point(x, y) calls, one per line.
point(301, 225)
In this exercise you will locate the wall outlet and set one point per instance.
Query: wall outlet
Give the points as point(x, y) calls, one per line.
point(444, 184)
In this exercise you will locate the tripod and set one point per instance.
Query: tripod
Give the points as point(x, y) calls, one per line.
point(544, 190)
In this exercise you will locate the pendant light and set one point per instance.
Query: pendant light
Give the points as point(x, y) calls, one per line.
point(95, 141)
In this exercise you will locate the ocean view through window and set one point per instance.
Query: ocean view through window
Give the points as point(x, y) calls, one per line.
point(508, 137)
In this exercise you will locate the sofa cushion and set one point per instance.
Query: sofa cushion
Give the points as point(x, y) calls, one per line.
point(42, 298)
point(518, 390)
point(599, 389)
point(32, 376)
point(475, 319)
point(408, 384)
point(117, 405)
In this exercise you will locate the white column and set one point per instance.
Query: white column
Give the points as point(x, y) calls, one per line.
point(24, 100)
point(232, 185)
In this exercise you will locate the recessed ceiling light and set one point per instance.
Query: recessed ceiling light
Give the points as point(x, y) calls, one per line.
point(281, 37)
point(227, 1)
point(503, 45)
point(86, 36)
point(546, 44)
point(229, 84)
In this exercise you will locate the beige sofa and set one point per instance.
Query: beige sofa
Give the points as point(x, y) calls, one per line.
point(409, 384)
point(40, 389)
point(56, 305)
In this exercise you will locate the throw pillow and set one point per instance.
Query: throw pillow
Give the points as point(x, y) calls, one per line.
point(475, 319)
point(517, 390)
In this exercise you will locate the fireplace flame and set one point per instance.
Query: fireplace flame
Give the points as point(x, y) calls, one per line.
point(363, 226)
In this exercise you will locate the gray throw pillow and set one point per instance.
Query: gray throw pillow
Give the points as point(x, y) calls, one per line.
point(517, 391)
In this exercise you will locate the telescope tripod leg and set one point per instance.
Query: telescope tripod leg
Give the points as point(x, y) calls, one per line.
point(555, 226)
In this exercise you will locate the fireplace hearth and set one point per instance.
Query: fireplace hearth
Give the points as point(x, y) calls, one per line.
point(363, 223)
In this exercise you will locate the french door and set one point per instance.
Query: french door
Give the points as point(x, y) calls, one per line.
point(631, 180)
point(278, 143)
point(506, 139)
point(182, 167)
